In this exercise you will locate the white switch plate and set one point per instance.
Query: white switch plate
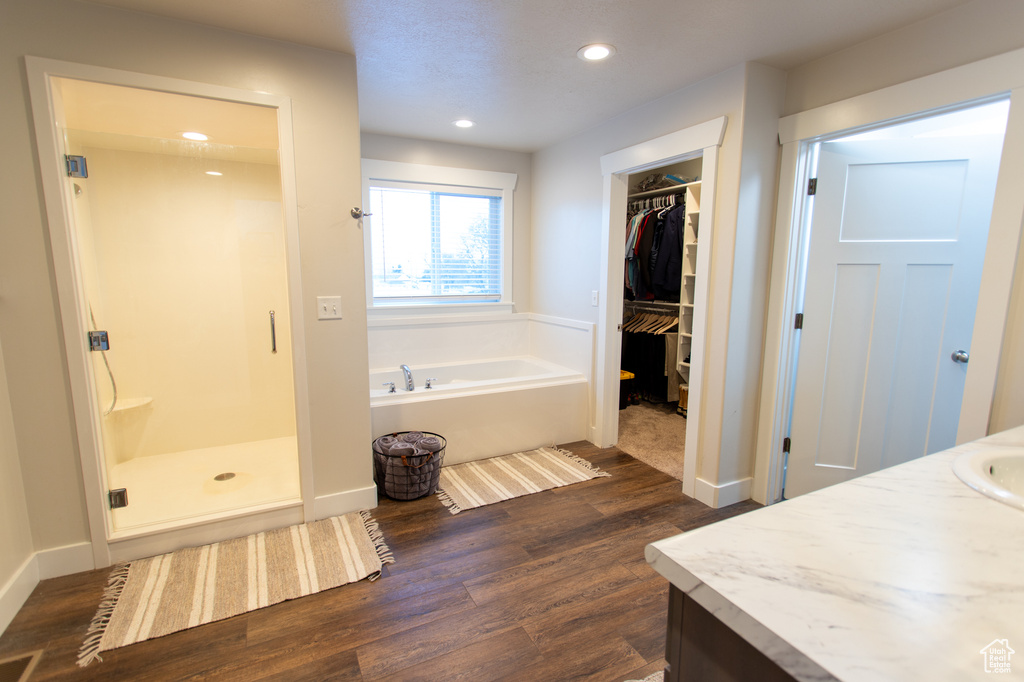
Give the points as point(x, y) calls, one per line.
point(593, 298)
point(328, 307)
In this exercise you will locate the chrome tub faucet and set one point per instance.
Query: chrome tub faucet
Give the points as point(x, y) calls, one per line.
point(409, 386)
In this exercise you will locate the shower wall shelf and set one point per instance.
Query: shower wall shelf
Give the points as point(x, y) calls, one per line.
point(126, 404)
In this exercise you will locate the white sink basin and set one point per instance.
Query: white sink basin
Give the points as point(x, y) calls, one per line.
point(999, 475)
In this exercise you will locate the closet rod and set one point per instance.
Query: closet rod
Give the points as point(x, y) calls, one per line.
point(674, 189)
point(652, 306)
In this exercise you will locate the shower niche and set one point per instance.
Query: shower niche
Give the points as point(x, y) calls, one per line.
point(181, 254)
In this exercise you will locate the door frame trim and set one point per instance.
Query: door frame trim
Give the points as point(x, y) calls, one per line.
point(47, 114)
point(985, 79)
point(701, 140)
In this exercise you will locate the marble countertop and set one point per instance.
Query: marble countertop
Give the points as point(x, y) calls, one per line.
point(905, 574)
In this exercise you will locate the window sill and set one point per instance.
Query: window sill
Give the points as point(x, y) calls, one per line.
point(386, 316)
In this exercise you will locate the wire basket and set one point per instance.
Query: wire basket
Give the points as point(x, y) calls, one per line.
point(408, 475)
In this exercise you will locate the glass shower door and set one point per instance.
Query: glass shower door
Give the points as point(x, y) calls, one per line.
point(182, 261)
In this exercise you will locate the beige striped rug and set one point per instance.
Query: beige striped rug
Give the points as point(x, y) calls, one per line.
point(157, 596)
point(475, 484)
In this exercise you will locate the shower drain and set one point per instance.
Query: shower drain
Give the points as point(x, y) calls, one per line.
point(226, 476)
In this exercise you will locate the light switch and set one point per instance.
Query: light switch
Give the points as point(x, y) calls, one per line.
point(593, 298)
point(328, 307)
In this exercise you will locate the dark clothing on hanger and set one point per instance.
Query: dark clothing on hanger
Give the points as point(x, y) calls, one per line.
point(654, 253)
point(644, 355)
point(643, 253)
point(668, 268)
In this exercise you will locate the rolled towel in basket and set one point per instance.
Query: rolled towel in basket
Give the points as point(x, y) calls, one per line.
point(384, 443)
point(430, 443)
point(411, 436)
point(402, 450)
point(419, 458)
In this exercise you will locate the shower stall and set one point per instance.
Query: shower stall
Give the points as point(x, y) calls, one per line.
point(183, 269)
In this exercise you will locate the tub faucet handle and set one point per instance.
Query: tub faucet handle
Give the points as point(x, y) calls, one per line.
point(429, 380)
point(391, 384)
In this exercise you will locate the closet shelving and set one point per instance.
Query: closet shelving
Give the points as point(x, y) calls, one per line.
point(688, 290)
point(662, 191)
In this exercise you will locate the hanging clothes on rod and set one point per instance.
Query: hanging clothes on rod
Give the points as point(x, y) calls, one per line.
point(649, 343)
point(654, 247)
point(650, 323)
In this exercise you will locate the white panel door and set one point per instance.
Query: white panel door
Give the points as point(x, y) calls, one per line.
point(897, 242)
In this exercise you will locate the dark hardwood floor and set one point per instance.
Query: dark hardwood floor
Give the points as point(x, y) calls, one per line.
point(552, 586)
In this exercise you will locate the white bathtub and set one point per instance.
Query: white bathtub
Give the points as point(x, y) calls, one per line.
point(485, 408)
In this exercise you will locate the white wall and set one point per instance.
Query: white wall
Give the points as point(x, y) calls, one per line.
point(322, 88)
point(429, 153)
point(566, 255)
point(962, 35)
point(15, 530)
point(1008, 403)
point(446, 339)
point(755, 211)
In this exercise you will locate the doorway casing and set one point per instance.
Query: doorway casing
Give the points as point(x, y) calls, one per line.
point(48, 121)
point(702, 140)
point(927, 95)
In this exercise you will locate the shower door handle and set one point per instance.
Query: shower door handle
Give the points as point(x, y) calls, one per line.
point(273, 334)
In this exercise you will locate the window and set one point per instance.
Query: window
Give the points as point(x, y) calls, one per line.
point(436, 235)
point(433, 242)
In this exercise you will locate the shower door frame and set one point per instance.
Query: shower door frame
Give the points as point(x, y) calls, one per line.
point(109, 545)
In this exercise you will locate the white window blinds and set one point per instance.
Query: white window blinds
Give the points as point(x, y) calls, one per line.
point(435, 243)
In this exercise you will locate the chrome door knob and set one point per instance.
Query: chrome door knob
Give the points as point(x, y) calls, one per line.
point(961, 356)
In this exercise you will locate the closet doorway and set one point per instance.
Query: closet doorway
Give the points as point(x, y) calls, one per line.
point(662, 227)
point(694, 147)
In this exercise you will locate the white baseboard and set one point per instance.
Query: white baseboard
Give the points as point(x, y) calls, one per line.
point(718, 496)
point(49, 563)
point(345, 502)
point(17, 590)
point(65, 560)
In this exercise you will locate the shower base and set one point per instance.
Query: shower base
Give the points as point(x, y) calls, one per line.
point(195, 483)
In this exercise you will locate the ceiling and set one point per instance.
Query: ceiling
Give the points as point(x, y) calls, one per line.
point(134, 112)
point(100, 115)
point(511, 65)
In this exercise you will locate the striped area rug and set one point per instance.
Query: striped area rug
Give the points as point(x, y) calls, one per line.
point(153, 597)
point(475, 484)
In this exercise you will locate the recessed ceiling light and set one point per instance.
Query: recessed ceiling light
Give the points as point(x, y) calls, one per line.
point(463, 123)
point(595, 52)
point(218, 173)
point(198, 137)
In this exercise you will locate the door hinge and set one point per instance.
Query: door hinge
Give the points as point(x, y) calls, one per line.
point(76, 166)
point(798, 323)
point(99, 340)
point(785, 444)
point(118, 498)
point(812, 187)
